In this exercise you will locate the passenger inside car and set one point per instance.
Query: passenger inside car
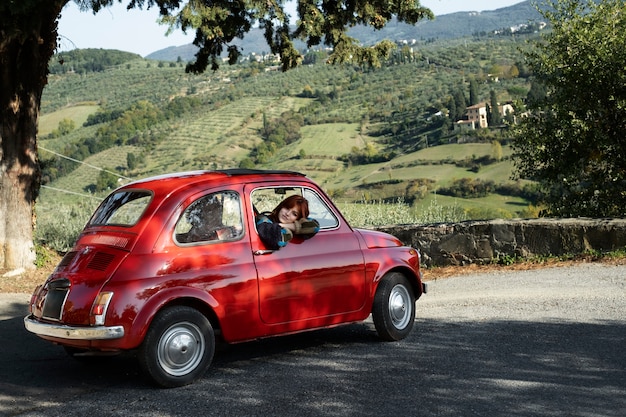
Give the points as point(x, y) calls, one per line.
point(289, 218)
point(205, 219)
point(211, 218)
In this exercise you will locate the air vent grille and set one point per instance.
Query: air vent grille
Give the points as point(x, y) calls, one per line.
point(100, 261)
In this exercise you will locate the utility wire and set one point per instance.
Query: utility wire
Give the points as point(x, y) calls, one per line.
point(72, 192)
point(84, 163)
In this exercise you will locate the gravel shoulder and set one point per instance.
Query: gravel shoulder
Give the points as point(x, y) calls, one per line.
point(581, 292)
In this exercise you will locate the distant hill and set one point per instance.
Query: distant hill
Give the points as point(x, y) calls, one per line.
point(449, 26)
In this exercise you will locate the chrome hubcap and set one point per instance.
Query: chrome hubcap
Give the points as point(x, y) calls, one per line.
point(399, 306)
point(181, 349)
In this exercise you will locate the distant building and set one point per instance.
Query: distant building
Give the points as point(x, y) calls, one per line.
point(465, 125)
point(505, 109)
point(478, 115)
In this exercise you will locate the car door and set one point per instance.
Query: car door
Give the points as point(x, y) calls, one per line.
point(209, 252)
point(314, 281)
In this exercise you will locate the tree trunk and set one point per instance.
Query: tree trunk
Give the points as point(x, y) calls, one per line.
point(28, 40)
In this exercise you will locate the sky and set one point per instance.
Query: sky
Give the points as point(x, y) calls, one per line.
point(137, 31)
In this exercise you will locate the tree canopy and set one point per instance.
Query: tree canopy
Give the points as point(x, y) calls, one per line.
point(573, 141)
point(218, 22)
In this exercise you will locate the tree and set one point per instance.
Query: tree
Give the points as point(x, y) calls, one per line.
point(456, 105)
point(473, 91)
point(131, 161)
point(28, 40)
point(496, 117)
point(106, 181)
point(496, 150)
point(513, 72)
point(460, 104)
point(573, 141)
point(536, 94)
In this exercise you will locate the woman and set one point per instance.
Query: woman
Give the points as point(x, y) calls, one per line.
point(289, 218)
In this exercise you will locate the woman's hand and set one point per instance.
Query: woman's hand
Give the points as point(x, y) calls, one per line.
point(288, 226)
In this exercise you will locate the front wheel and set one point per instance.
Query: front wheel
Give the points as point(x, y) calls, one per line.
point(393, 310)
point(178, 347)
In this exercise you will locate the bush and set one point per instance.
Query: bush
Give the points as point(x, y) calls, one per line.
point(59, 225)
point(468, 188)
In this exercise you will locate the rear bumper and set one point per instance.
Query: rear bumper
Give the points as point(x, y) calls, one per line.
point(61, 331)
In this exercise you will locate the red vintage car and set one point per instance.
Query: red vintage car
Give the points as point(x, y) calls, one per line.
point(139, 280)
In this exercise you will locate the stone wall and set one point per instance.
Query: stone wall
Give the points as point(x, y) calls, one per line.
point(482, 241)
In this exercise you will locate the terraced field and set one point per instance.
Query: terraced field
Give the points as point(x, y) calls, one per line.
point(339, 104)
point(219, 138)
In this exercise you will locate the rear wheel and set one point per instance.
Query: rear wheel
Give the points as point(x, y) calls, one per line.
point(178, 347)
point(393, 310)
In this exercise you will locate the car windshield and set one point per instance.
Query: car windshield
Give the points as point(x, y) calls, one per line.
point(123, 208)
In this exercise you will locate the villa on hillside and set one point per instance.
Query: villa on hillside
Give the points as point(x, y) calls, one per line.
point(477, 116)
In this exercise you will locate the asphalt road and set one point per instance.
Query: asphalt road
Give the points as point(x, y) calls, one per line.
point(548, 342)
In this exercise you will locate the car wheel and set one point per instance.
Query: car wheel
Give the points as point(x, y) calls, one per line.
point(393, 310)
point(178, 347)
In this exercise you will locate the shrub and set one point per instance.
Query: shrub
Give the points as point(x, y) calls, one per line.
point(468, 188)
point(59, 225)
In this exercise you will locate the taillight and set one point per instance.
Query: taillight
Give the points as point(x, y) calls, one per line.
point(99, 309)
point(33, 298)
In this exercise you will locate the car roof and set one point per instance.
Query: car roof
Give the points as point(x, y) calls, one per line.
point(173, 181)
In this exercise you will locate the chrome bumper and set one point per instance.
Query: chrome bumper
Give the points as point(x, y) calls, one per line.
point(75, 333)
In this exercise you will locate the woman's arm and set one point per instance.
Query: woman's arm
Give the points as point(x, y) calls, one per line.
point(273, 235)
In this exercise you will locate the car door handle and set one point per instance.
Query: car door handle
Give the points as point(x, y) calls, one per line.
point(263, 252)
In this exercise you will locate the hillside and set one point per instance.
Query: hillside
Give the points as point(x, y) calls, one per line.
point(368, 136)
point(444, 27)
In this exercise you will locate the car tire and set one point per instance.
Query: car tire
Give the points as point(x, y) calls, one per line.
point(393, 311)
point(178, 347)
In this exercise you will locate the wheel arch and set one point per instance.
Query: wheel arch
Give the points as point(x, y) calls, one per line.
point(414, 279)
point(198, 300)
point(200, 305)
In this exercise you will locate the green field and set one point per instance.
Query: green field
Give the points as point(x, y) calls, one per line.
point(77, 113)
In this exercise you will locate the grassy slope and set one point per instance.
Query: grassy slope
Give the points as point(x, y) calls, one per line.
point(222, 137)
point(78, 114)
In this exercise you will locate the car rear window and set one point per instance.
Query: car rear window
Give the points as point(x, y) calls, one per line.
point(122, 208)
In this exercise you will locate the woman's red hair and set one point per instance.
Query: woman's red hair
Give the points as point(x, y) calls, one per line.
point(290, 202)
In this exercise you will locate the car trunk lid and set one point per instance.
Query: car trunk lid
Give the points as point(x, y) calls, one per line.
point(91, 263)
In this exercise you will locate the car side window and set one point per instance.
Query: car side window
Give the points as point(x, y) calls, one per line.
point(214, 217)
point(266, 199)
point(319, 210)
